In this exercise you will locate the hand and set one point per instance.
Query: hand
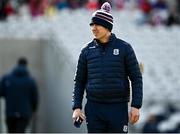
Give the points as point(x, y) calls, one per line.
point(78, 113)
point(134, 115)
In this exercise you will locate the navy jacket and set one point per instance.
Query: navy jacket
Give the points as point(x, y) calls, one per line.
point(105, 70)
point(20, 93)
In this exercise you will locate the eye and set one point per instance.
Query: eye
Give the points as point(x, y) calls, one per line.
point(92, 24)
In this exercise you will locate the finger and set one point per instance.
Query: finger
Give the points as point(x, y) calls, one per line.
point(74, 119)
point(136, 118)
point(82, 116)
point(75, 116)
point(133, 118)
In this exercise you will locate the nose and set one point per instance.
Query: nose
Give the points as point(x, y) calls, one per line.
point(93, 26)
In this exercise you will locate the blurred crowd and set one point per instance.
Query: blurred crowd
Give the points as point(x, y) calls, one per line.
point(153, 12)
point(163, 119)
point(158, 12)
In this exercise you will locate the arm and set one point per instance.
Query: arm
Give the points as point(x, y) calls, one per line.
point(79, 85)
point(1, 88)
point(34, 96)
point(80, 81)
point(135, 76)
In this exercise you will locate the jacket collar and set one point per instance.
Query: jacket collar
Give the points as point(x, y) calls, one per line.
point(20, 71)
point(110, 42)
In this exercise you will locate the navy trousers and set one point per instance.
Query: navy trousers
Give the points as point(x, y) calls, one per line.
point(17, 125)
point(106, 117)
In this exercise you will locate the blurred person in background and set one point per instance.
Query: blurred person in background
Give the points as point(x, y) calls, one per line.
point(6, 9)
point(3, 14)
point(159, 13)
point(151, 125)
point(73, 4)
point(101, 2)
point(146, 8)
point(38, 7)
point(104, 69)
point(173, 18)
point(92, 5)
point(174, 14)
point(178, 7)
point(18, 4)
point(51, 10)
point(19, 90)
point(118, 4)
point(160, 4)
point(61, 4)
point(159, 119)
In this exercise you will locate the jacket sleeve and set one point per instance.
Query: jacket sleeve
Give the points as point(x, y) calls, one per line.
point(34, 96)
point(2, 87)
point(135, 76)
point(80, 81)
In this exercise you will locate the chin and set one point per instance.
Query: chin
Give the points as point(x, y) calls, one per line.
point(96, 37)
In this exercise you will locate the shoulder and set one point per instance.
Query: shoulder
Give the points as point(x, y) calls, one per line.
point(5, 77)
point(5, 80)
point(32, 79)
point(87, 46)
point(123, 43)
point(118, 42)
point(29, 78)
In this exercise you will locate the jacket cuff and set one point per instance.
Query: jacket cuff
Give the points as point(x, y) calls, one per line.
point(75, 107)
point(136, 106)
point(137, 103)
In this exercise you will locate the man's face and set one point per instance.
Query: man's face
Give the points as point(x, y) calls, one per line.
point(99, 31)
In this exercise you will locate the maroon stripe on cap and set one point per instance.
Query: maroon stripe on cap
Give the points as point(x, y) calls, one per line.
point(105, 14)
point(104, 18)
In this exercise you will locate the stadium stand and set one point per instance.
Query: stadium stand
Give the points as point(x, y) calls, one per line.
point(157, 48)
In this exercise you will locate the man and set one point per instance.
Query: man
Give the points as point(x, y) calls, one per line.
point(21, 97)
point(104, 69)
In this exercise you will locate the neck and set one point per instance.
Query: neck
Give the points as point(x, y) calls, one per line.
point(105, 39)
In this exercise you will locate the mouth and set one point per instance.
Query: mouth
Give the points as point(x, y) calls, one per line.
point(95, 33)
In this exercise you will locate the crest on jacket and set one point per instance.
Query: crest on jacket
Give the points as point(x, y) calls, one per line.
point(116, 52)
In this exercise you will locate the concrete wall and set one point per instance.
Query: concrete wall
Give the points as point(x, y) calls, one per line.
point(54, 69)
point(60, 68)
point(10, 51)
